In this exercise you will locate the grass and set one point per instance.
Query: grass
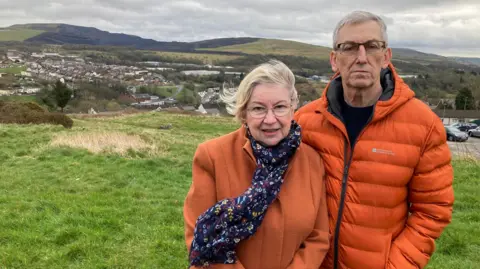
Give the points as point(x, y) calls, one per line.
point(64, 206)
point(17, 34)
point(18, 98)
point(278, 47)
point(15, 69)
point(205, 58)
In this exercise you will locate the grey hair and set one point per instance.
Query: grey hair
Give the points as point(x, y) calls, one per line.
point(271, 72)
point(357, 17)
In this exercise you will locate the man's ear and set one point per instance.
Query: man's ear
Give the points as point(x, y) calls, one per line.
point(387, 58)
point(333, 61)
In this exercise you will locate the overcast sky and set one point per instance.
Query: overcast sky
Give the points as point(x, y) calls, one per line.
point(446, 27)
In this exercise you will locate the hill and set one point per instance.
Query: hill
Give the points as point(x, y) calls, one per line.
point(71, 34)
point(277, 47)
point(252, 50)
point(468, 60)
point(109, 193)
point(18, 34)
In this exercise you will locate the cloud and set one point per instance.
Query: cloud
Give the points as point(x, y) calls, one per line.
point(438, 26)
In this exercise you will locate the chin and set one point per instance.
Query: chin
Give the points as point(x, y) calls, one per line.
point(361, 83)
point(270, 141)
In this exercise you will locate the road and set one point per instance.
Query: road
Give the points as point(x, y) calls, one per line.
point(470, 148)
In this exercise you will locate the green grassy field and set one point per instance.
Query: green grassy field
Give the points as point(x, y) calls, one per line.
point(205, 58)
point(18, 34)
point(18, 98)
point(97, 204)
point(279, 47)
point(17, 69)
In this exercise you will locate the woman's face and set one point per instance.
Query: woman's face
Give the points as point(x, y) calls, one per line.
point(269, 113)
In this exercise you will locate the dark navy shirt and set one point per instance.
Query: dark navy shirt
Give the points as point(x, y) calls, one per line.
point(355, 118)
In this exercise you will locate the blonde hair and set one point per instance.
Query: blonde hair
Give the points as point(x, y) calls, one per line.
point(271, 72)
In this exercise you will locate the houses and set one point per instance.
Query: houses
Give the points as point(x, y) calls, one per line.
point(14, 56)
point(323, 79)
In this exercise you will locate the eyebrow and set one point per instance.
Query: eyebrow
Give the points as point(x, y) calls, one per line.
point(349, 41)
point(260, 103)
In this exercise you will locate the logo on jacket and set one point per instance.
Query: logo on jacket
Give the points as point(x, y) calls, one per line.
point(383, 151)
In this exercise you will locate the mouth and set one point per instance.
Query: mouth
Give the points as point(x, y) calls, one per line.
point(271, 131)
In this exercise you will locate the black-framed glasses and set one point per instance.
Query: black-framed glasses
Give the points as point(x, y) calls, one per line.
point(351, 48)
point(259, 112)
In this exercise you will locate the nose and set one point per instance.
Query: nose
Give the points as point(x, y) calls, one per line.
point(362, 55)
point(270, 117)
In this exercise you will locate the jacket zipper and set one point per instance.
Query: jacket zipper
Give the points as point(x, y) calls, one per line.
point(346, 168)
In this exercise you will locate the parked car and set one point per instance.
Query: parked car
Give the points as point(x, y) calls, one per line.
point(464, 126)
point(454, 134)
point(474, 132)
point(477, 122)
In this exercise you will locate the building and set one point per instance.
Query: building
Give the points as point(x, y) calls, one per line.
point(451, 116)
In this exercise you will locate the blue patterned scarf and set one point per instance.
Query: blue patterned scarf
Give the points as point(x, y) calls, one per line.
point(219, 229)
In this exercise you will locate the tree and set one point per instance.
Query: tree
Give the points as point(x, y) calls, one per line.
point(62, 94)
point(45, 96)
point(464, 99)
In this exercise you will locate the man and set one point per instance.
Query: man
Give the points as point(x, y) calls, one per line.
point(389, 173)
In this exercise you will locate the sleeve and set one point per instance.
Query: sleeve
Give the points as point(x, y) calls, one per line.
point(431, 197)
point(200, 197)
point(316, 246)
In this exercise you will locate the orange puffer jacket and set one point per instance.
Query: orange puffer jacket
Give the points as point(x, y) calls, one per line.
point(391, 195)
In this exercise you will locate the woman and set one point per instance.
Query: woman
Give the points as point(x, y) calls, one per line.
point(257, 198)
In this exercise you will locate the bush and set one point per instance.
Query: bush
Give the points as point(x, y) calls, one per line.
point(35, 107)
point(31, 113)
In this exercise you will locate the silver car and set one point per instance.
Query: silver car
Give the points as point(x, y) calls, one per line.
point(474, 132)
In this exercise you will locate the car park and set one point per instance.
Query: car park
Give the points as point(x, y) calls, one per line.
point(464, 126)
point(454, 134)
point(474, 132)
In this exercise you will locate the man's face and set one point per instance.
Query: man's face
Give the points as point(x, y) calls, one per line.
point(360, 66)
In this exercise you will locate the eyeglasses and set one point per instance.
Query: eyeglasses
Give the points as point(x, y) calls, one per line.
point(259, 112)
point(351, 48)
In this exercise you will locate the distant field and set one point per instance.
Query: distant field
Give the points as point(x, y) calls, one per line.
point(205, 58)
point(279, 47)
point(13, 69)
point(18, 34)
point(18, 98)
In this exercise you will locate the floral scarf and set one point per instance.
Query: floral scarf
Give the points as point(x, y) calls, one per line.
point(219, 229)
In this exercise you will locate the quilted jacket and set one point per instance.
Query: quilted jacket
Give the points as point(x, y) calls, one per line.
point(390, 196)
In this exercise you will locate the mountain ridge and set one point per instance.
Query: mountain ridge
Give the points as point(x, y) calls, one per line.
point(67, 34)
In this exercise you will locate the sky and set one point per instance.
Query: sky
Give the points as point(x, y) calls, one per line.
point(445, 27)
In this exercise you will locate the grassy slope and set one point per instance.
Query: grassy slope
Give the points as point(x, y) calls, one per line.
point(14, 69)
point(18, 34)
point(205, 58)
point(280, 47)
point(68, 208)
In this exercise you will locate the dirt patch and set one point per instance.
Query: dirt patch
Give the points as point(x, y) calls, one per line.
point(107, 142)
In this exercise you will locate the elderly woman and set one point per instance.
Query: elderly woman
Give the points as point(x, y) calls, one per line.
point(257, 198)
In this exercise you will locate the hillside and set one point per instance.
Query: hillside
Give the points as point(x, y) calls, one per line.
point(244, 51)
point(18, 34)
point(109, 193)
point(278, 47)
point(468, 60)
point(70, 34)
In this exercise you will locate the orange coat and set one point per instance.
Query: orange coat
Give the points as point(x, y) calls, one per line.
point(393, 194)
point(294, 233)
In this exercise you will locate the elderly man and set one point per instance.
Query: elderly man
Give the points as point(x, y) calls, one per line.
point(389, 174)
